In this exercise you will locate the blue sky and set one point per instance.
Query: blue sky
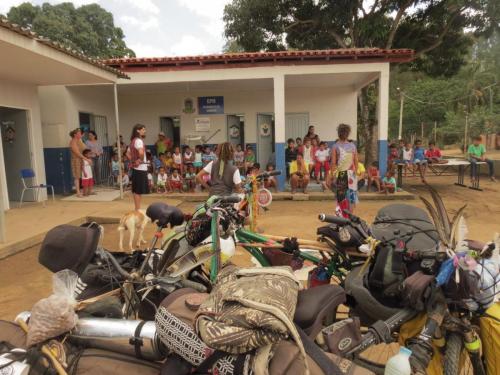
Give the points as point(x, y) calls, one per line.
point(161, 27)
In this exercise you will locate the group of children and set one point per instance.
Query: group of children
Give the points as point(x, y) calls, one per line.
point(414, 158)
point(176, 171)
point(315, 154)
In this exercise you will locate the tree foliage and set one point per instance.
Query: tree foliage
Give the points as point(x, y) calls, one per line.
point(433, 28)
point(474, 92)
point(89, 29)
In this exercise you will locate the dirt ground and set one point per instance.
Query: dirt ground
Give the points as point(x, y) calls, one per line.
point(23, 281)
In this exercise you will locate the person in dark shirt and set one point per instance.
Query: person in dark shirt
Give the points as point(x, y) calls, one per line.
point(290, 155)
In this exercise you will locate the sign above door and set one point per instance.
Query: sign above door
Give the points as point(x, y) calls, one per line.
point(211, 105)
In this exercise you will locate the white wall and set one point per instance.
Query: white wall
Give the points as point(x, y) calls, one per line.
point(24, 96)
point(327, 107)
point(61, 105)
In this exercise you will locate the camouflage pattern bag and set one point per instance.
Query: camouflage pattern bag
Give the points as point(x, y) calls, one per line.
point(249, 309)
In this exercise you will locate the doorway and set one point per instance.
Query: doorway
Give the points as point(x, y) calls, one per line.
point(265, 138)
point(236, 129)
point(15, 152)
point(171, 126)
point(296, 125)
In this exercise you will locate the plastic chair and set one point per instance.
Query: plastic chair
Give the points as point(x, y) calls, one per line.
point(27, 176)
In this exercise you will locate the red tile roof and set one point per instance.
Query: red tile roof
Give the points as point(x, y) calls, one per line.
point(255, 59)
point(6, 24)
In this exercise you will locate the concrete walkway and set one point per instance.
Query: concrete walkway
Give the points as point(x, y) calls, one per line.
point(283, 196)
point(26, 226)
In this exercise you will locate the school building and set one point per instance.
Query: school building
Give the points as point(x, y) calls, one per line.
point(259, 98)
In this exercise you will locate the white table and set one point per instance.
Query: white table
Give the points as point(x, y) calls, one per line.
point(439, 168)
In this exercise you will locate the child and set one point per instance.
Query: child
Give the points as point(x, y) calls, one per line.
point(125, 180)
point(322, 157)
point(188, 157)
point(207, 156)
point(393, 157)
point(298, 142)
point(307, 151)
point(161, 181)
point(115, 168)
point(433, 154)
point(168, 162)
point(189, 178)
point(175, 181)
point(389, 183)
point(290, 155)
point(157, 163)
point(177, 157)
point(270, 182)
point(373, 177)
point(198, 163)
point(419, 159)
point(249, 158)
point(87, 178)
point(408, 158)
point(476, 152)
point(150, 181)
point(239, 159)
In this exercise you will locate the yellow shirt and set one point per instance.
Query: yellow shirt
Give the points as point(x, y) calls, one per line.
point(294, 167)
point(361, 169)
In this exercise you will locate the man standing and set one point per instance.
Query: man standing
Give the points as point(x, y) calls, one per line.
point(137, 155)
point(76, 147)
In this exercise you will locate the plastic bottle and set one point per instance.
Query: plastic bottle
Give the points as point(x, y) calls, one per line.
point(399, 364)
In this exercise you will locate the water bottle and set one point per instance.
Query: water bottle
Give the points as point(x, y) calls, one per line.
point(399, 364)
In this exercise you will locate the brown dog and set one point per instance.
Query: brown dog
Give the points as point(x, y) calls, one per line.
point(131, 221)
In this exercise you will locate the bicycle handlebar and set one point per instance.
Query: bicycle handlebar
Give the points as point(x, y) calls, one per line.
point(334, 219)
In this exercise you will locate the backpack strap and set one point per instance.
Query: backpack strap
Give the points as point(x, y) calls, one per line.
point(326, 364)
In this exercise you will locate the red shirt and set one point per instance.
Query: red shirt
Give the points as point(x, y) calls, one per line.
point(436, 153)
point(372, 171)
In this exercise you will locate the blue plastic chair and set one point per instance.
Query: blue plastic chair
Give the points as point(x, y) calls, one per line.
point(27, 177)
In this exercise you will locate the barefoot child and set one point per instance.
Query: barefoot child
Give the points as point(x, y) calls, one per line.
point(161, 181)
point(270, 182)
point(389, 183)
point(175, 181)
point(87, 177)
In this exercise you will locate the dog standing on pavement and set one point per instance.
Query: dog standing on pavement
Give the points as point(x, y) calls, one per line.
point(131, 221)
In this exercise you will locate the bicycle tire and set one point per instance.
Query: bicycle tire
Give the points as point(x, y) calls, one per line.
point(454, 349)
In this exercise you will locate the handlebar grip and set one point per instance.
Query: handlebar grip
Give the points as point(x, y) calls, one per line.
point(230, 199)
point(333, 219)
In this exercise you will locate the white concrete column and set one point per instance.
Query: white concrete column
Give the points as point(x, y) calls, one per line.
point(117, 122)
point(279, 127)
point(383, 118)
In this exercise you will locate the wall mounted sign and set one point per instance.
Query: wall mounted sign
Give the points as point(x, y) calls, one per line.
point(188, 106)
point(234, 131)
point(265, 130)
point(9, 133)
point(211, 105)
point(202, 124)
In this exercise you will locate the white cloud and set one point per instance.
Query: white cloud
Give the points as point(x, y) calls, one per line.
point(147, 50)
point(211, 13)
point(141, 24)
point(146, 6)
point(188, 45)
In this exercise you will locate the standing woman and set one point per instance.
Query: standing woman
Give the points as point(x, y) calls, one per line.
point(136, 153)
point(76, 147)
point(95, 154)
point(225, 177)
point(344, 167)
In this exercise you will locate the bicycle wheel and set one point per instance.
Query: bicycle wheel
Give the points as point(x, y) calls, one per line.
point(456, 359)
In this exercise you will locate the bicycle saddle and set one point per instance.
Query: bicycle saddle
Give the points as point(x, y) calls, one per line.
point(315, 304)
point(162, 214)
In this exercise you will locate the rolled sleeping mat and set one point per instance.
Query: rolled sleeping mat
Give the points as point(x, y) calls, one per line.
point(131, 337)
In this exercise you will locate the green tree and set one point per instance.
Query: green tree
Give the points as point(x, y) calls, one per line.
point(433, 28)
point(89, 29)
